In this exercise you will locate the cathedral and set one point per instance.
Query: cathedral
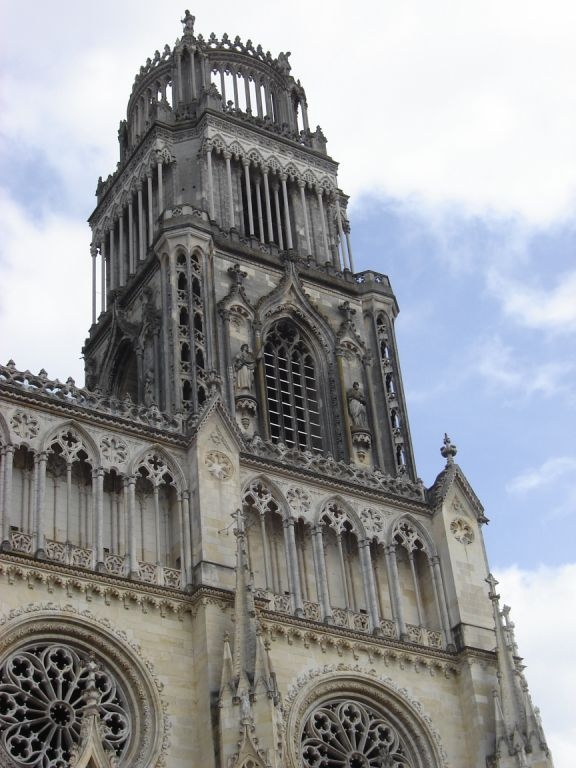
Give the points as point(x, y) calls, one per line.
point(218, 553)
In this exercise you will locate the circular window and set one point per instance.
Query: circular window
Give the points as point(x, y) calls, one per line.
point(52, 665)
point(42, 697)
point(351, 734)
point(342, 717)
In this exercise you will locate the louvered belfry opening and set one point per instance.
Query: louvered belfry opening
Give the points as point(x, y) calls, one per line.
point(291, 388)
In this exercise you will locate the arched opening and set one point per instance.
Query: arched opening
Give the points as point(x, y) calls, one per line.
point(125, 372)
point(291, 388)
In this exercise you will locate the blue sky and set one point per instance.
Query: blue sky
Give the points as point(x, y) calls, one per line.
point(454, 125)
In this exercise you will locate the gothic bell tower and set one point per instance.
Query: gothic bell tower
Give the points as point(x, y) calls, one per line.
point(226, 261)
point(218, 554)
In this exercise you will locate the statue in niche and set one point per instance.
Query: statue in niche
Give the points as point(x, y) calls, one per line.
point(357, 406)
point(149, 388)
point(244, 367)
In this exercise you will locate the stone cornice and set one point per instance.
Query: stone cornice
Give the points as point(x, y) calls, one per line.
point(331, 483)
point(343, 639)
point(88, 415)
point(19, 567)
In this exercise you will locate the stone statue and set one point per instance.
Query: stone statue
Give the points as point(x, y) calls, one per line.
point(188, 22)
point(149, 388)
point(283, 63)
point(357, 406)
point(244, 366)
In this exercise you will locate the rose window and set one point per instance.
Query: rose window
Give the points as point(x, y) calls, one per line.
point(42, 689)
point(350, 734)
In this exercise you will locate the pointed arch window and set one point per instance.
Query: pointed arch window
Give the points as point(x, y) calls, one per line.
point(190, 331)
point(291, 388)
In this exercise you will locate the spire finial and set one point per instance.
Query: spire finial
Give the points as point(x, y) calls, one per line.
point(448, 450)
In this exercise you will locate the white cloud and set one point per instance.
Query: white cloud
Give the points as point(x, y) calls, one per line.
point(541, 602)
point(38, 313)
point(502, 368)
point(535, 306)
point(452, 102)
point(548, 472)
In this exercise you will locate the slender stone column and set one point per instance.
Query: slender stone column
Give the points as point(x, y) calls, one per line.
point(304, 108)
point(394, 586)
point(103, 274)
point(259, 210)
point(341, 238)
point(112, 258)
point(345, 579)
point(258, 98)
point(40, 460)
point(416, 589)
point(227, 157)
point(222, 86)
point(98, 497)
point(321, 576)
point(278, 217)
point(94, 254)
point(179, 76)
point(247, 93)
point(186, 539)
point(160, 188)
point(246, 164)
point(68, 497)
point(3, 506)
point(286, 212)
point(121, 249)
point(268, 97)
point(133, 567)
point(150, 211)
point(323, 223)
point(157, 525)
point(193, 75)
point(131, 259)
point(141, 251)
point(349, 249)
point(210, 185)
point(369, 585)
point(292, 561)
point(235, 86)
point(268, 207)
point(302, 184)
point(6, 493)
point(266, 550)
point(441, 606)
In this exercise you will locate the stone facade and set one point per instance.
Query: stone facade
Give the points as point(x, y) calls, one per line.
point(218, 553)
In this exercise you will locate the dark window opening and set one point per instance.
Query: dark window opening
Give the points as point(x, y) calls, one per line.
point(291, 389)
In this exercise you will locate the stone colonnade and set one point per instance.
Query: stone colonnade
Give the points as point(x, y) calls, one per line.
point(30, 531)
point(327, 610)
point(122, 240)
point(266, 200)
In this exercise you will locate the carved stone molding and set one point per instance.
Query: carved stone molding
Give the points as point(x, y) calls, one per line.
point(462, 531)
point(24, 424)
point(219, 465)
point(114, 450)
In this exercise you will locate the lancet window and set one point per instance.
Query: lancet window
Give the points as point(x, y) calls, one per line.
point(190, 331)
point(156, 525)
point(292, 388)
point(389, 373)
point(419, 580)
point(266, 541)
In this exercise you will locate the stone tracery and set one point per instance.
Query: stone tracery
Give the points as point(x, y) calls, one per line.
point(351, 734)
point(42, 696)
